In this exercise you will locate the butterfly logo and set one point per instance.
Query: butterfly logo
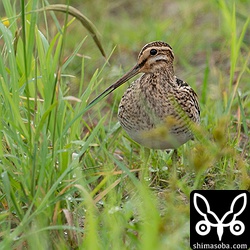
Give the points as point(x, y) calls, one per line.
point(210, 219)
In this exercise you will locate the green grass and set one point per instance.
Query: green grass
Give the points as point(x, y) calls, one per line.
point(69, 176)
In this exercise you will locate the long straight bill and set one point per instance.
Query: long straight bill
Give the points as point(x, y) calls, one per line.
point(134, 71)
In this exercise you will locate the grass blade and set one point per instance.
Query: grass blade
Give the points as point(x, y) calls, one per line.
point(83, 19)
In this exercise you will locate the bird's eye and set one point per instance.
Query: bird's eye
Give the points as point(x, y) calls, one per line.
point(153, 52)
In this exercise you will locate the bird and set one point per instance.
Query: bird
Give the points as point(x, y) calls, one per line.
point(158, 110)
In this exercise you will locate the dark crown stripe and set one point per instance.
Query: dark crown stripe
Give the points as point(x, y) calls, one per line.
point(154, 44)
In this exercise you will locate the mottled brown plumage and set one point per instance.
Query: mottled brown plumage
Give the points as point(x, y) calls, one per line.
point(158, 109)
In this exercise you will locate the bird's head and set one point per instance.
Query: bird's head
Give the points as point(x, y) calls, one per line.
point(155, 56)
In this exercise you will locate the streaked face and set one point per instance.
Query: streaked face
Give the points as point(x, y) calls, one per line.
point(154, 56)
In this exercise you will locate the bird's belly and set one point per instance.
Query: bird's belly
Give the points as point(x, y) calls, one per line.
point(167, 133)
point(160, 137)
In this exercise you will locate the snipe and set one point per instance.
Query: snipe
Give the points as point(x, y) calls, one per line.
point(158, 109)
